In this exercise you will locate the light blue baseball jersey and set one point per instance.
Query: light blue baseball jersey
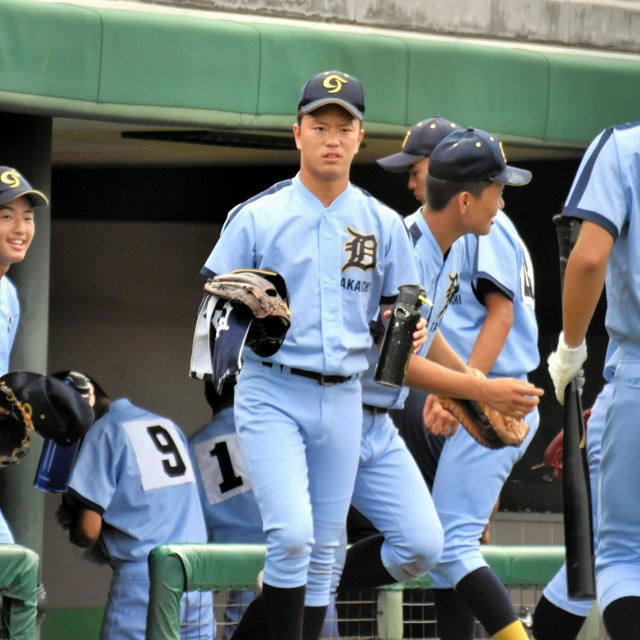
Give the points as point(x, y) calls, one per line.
point(9, 316)
point(502, 259)
point(134, 469)
point(230, 509)
point(606, 191)
point(439, 274)
point(341, 261)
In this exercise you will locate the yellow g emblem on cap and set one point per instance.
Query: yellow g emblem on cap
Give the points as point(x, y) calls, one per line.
point(333, 83)
point(504, 157)
point(10, 178)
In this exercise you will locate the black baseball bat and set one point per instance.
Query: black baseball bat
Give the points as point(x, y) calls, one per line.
point(576, 487)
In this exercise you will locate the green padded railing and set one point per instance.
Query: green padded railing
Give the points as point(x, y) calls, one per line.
point(225, 566)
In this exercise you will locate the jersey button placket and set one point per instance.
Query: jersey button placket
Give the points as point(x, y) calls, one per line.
point(329, 256)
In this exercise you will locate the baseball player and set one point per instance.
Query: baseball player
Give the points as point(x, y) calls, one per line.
point(230, 510)
point(558, 617)
point(17, 227)
point(299, 413)
point(605, 195)
point(491, 324)
point(132, 488)
point(413, 158)
point(465, 201)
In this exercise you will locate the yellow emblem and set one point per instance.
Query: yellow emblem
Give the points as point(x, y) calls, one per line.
point(504, 155)
point(11, 178)
point(333, 83)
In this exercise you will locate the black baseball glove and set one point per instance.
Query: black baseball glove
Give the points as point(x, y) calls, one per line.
point(16, 427)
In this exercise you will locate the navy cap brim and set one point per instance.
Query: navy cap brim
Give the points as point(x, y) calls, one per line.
point(399, 162)
point(316, 104)
point(513, 177)
point(38, 199)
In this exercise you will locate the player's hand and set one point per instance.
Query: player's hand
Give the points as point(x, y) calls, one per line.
point(511, 397)
point(436, 419)
point(419, 335)
point(565, 364)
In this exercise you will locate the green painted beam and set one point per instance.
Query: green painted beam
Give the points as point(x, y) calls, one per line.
point(163, 68)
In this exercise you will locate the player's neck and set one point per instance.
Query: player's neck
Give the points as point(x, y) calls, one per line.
point(3, 270)
point(440, 224)
point(325, 190)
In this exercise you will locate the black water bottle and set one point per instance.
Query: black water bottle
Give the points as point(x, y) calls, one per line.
point(398, 337)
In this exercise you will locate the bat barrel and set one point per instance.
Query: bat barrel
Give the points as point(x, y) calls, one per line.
point(576, 496)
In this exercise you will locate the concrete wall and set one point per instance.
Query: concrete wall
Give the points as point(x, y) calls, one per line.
point(609, 24)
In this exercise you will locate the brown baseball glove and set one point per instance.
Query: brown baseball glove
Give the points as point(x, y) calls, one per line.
point(264, 294)
point(16, 427)
point(487, 426)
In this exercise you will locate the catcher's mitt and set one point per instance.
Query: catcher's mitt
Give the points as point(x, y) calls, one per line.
point(16, 427)
point(487, 426)
point(264, 294)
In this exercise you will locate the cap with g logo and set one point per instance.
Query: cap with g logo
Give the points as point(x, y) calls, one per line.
point(13, 185)
point(332, 87)
point(472, 154)
point(419, 142)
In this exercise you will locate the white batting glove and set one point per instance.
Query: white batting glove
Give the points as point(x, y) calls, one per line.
point(565, 364)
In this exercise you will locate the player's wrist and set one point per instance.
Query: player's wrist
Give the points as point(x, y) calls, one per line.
point(571, 355)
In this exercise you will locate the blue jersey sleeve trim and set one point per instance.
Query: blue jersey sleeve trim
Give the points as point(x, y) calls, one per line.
point(585, 174)
point(272, 189)
point(388, 299)
point(497, 285)
point(414, 233)
point(86, 502)
point(592, 216)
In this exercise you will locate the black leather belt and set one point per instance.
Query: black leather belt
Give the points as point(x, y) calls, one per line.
point(320, 378)
point(376, 411)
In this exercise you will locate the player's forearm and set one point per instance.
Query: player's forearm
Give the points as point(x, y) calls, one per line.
point(440, 380)
point(493, 333)
point(441, 353)
point(85, 528)
point(584, 281)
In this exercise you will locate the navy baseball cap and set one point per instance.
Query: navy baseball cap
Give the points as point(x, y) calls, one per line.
point(13, 185)
point(58, 411)
point(472, 154)
point(419, 142)
point(332, 87)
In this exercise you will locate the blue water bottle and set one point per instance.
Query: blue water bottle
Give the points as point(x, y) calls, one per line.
point(54, 468)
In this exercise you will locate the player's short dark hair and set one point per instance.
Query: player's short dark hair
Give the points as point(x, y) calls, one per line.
point(440, 192)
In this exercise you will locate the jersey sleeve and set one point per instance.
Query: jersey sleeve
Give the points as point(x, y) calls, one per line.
point(597, 193)
point(235, 248)
point(495, 260)
point(400, 262)
point(95, 473)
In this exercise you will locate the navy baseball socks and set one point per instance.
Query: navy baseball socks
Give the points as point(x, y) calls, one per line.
point(363, 566)
point(553, 623)
point(274, 612)
point(621, 618)
point(486, 598)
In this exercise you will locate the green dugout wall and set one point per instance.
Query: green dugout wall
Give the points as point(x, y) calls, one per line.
point(169, 68)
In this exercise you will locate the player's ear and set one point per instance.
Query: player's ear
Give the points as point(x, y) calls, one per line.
point(296, 134)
